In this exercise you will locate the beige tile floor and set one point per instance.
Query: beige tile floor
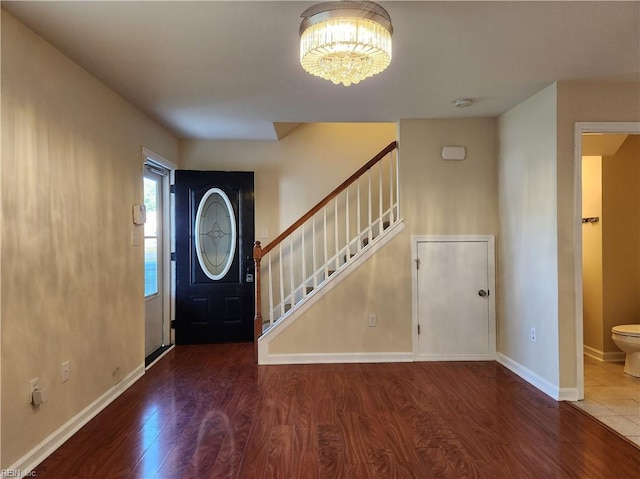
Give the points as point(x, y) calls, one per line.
point(612, 397)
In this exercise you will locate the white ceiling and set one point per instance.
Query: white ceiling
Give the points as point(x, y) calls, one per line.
point(229, 70)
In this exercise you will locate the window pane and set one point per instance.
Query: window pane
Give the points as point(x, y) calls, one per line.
point(151, 203)
point(150, 266)
point(215, 234)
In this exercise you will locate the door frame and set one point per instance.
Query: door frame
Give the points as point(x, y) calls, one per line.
point(491, 272)
point(168, 239)
point(632, 128)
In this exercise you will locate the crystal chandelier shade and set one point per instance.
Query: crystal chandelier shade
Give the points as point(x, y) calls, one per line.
point(345, 42)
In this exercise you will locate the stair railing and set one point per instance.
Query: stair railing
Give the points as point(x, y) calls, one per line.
point(326, 238)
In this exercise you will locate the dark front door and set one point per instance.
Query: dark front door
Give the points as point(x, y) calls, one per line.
point(214, 235)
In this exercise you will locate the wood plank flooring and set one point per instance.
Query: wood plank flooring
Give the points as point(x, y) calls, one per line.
point(209, 412)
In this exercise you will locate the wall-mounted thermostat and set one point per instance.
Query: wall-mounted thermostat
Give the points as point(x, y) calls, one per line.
point(456, 153)
point(139, 214)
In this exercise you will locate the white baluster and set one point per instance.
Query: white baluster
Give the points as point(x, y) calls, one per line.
point(335, 228)
point(326, 258)
point(391, 188)
point(369, 207)
point(359, 243)
point(394, 156)
point(270, 291)
point(281, 278)
point(293, 288)
point(304, 266)
point(348, 239)
point(313, 247)
point(380, 210)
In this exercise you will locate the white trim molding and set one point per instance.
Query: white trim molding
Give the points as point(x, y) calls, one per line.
point(455, 357)
point(328, 358)
point(33, 458)
point(607, 357)
point(579, 129)
point(149, 156)
point(550, 389)
point(168, 239)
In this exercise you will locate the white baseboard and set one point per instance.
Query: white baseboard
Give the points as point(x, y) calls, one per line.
point(607, 357)
point(33, 458)
point(564, 394)
point(326, 358)
point(455, 357)
point(568, 394)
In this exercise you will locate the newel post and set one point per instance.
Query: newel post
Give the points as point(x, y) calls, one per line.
point(257, 320)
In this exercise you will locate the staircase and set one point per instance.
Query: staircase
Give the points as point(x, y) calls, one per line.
point(329, 238)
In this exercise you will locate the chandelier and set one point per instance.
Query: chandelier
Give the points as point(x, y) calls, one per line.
point(345, 41)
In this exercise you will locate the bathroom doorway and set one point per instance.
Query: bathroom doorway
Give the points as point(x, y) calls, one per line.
point(582, 128)
point(607, 274)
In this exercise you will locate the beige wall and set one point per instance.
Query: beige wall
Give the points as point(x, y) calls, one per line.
point(72, 284)
point(620, 239)
point(293, 174)
point(437, 197)
point(527, 242)
point(579, 102)
point(592, 252)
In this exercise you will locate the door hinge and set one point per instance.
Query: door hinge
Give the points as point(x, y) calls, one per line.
point(417, 260)
point(173, 256)
point(418, 328)
point(172, 188)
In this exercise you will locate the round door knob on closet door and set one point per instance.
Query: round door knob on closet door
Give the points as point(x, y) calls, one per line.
point(483, 293)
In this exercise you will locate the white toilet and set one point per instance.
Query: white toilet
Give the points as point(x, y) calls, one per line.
point(627, 338)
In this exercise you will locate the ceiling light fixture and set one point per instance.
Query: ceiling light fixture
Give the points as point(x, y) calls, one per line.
point(345, 41)
point(462, 102)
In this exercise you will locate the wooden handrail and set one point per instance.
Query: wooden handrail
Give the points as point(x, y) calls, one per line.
point(345, 184)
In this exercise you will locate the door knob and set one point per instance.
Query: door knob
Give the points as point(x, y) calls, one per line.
point(483, 293)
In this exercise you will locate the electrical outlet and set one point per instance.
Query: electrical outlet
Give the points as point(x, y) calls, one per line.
point(533, 335)
point(65, 371)
point(33, 386)
point(373, 320)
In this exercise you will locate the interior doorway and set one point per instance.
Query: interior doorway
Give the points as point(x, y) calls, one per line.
point(591, 221)
point(158, 271)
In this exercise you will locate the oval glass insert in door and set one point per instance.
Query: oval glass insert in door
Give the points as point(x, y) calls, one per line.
point(215, 234)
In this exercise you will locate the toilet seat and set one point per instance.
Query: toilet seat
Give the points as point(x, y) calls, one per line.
point(629, 330)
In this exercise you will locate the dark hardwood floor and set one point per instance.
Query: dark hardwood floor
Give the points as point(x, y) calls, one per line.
point(209, 412)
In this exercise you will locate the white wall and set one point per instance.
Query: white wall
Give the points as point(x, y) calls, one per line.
point(72, 284)
point(527, 241)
